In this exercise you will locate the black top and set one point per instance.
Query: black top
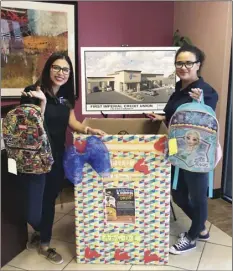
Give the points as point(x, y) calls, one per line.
point(56, 117)
point(180, 97)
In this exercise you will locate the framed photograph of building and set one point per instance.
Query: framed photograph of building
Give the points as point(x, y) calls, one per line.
point(30, 33)
point(127, 80)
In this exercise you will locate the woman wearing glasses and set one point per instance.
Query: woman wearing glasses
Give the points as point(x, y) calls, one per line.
point(54, 93)
point(191, 193)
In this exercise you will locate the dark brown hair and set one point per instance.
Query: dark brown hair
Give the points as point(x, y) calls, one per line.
point(200, 56)
point(45, 81)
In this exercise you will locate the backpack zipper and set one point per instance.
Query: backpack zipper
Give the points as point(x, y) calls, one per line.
point(26, 149)
point(193, 111)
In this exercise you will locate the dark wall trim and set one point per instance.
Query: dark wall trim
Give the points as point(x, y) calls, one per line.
point(6, 108)
point(217, 193)
point(227, 130)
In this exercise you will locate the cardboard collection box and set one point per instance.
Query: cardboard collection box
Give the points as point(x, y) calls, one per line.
point(123, 218)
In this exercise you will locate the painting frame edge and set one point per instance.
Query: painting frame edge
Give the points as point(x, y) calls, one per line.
point(75, 52)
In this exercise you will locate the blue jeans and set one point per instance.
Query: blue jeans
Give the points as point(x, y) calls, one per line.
point(191, 197)
point(41, 192)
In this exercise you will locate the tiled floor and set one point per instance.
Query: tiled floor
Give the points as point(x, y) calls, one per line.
point(216, 254)
point(219, 211)
point(220, 214)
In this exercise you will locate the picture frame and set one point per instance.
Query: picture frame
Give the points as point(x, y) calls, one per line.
point(28, 41)
point(127, 80)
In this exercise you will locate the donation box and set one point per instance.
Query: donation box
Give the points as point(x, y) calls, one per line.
point(122, 215)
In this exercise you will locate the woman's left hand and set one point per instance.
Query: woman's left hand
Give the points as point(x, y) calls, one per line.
point(196, 94)
point(95, 131)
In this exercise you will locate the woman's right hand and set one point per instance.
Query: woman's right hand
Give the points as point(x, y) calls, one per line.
point(38, 93)
point(155, 117)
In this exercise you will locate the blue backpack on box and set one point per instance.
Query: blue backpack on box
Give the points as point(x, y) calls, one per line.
point(194, 130)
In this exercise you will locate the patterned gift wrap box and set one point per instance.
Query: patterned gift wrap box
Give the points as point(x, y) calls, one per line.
point(139, 165)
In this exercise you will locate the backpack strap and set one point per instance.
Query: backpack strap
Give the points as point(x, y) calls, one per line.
point(211, 181)
point(201, 99)
point(175, 178)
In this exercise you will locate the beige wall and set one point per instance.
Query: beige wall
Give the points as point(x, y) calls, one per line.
point(119, 77)
point(135, 79)
point(92, 82)
point(209, 26)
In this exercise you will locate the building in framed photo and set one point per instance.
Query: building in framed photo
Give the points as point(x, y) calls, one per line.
point(127, 79)
point(30, 33)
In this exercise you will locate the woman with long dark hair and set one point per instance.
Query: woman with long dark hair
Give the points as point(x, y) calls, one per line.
point(54, 93)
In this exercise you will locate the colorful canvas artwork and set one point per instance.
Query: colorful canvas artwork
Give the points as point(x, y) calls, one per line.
point(30, 33)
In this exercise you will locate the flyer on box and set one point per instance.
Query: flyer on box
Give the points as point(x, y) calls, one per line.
point(120, 205)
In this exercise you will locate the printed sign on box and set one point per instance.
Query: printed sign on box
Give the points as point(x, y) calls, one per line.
point(124, 218)
point(120, 205)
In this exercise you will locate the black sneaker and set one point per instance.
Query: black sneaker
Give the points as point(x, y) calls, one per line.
point(51, 255)
point(183, 244)
point(201, 237)
point(34, 242)
point(205, 237)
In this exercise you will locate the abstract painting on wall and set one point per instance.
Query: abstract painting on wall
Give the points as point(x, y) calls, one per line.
point(30, 33)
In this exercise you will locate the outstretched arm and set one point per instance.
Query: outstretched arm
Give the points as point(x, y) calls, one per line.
point(79, 127)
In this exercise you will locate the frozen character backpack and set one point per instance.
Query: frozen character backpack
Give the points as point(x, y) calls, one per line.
point(89, 150)
point(194, 140)
point(26, 140)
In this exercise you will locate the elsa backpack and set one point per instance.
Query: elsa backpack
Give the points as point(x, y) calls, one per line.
point(194, 131)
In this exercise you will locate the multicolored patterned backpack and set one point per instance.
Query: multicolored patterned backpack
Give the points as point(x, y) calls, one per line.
point(194, 130)
point(26, 140)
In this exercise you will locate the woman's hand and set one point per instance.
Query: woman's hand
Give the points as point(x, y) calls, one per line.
point(155, 117)
point(95, 131)
point(196, 94)
point(38, 93)
point(79, 127)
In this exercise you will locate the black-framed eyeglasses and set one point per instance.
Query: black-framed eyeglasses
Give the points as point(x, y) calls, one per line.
point(57, 68)
point(188, 64)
